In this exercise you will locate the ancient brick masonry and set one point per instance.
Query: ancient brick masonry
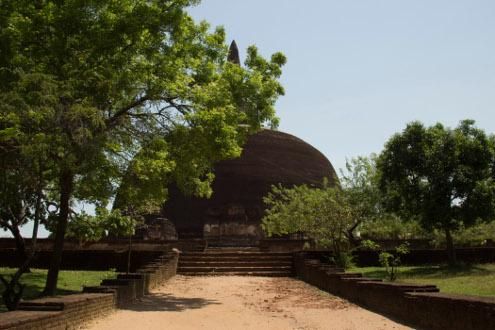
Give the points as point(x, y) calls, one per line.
point(71, 311)
point(236, 207)
point(66, 312)
point(421, 306)
point(128, 287)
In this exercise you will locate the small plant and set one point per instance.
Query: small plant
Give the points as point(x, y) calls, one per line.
point(344, 260)
point(390, 260)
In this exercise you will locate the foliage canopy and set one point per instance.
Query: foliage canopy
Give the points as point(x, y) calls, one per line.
point(86, 85)
point(443, 177)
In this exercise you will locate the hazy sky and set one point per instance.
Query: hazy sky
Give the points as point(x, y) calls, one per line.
point(358, 71)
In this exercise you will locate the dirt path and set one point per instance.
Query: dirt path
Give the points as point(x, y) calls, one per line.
point(233, 302)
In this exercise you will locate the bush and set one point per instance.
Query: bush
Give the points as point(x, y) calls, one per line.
point(390, 260)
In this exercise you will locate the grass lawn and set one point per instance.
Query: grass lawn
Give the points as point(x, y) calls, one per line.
point(69, 281)
point(476, 280)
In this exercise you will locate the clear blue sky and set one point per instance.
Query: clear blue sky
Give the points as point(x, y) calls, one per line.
point(359, 70)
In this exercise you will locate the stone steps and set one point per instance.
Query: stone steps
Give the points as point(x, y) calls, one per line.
point(247, 261)
point(232, 258)
point(242, 273)
point(227, 269)
point(232, 248)
point(227, 256)
point(237, 263)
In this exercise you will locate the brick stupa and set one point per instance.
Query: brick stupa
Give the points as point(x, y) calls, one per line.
point(236, 207)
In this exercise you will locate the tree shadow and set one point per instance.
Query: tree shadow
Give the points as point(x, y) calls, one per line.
point(440, 271)
point(168, 303)
point(445, 271)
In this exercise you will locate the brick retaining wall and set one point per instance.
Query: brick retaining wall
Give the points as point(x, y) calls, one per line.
point(430, 256)
point(422, 306)
point(102, 255)
point(365, 258)
point(71, 311)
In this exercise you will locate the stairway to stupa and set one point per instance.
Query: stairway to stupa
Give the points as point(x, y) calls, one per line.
point(243, 261)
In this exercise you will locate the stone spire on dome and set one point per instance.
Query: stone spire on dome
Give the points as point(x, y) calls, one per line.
point(233, 56)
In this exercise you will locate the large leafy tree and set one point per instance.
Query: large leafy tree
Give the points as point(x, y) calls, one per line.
point(89, 83)
point(442, 177)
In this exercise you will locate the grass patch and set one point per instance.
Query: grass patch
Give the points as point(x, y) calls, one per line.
point(69, 281)
point(473, 280)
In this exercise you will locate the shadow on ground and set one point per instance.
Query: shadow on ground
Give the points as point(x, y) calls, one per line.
point(433, 272)
point(167, 302)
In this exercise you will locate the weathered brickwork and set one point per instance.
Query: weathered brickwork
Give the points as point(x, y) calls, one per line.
point(421, 306)
point(72, 311)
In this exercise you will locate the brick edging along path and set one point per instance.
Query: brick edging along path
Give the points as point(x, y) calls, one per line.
point(71, 311)
point(422, 306)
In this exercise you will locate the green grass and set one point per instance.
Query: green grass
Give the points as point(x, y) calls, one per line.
point(475, 280)
point(69, 281)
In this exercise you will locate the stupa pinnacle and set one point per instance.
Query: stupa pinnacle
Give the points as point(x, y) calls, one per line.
point(233, 56)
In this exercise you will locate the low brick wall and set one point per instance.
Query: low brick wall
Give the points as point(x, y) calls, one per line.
point(282, 245)
point(430, 256)
point(365, 258)
point(111, 244)
point(128, 287)
point(422, 306)
point(66, 312)
point(102, 255)
point(71, 311)
point(84, 259)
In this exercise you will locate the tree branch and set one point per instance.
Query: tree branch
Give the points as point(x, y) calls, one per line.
point(121, 112)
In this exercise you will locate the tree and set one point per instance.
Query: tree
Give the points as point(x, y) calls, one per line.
point(91, 228)
point(21, 200)
point(443, 177)
point(323, 214)
point(92, 82)
point(360, 184)
point(21, 196)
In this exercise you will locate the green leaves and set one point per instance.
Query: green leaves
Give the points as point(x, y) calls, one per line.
point(93, 85)
point(440, 175)
point(130, 92)
point(360, 183)
point(90, 228)
point(321, 213)
point(144, 187)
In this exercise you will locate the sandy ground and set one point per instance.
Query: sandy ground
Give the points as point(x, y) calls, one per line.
point(233, 302)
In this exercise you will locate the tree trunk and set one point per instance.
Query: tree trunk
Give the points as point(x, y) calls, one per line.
point(350, 235)
point(21, 252)
point(450, 248)
point(129, 255)
point(66, 184)
point(37, 215)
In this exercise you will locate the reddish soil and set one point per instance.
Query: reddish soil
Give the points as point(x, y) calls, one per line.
point(233, 302)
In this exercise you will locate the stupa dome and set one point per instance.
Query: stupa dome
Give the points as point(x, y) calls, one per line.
point(236, 207)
